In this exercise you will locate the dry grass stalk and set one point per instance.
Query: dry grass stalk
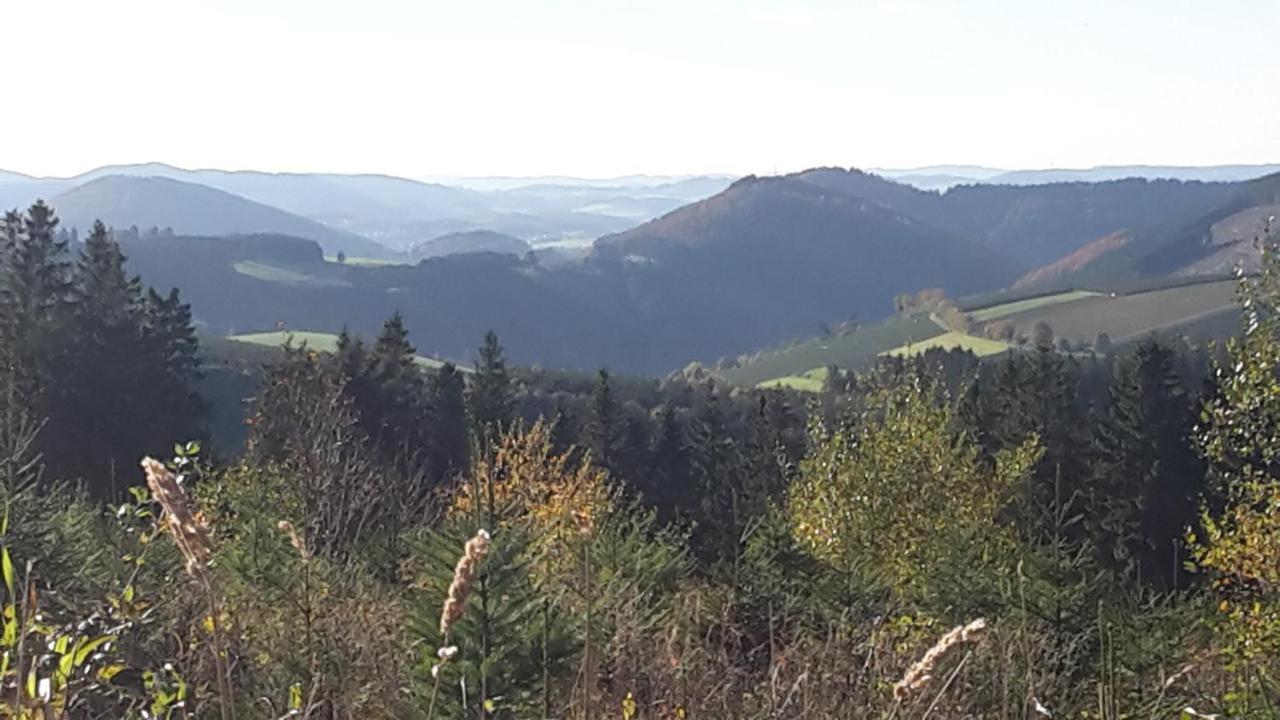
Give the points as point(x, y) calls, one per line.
point(464, 574)
point(921, 673)
point(191, 534)
point(295, 539)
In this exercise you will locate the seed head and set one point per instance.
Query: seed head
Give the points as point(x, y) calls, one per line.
point(921, 673)
point(189, 530)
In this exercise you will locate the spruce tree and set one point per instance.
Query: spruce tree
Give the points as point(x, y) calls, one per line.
point(450, 441)
point(174, 352)
point(36, 288)
point(491, 397)
point(396, 415)
point(601, 432)
point(97, 419)
point(1147, 479)
point(667, 485)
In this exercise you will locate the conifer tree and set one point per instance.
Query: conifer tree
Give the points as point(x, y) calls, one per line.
point(491, 397)
point(397, 415)
point(450, 441)
point(172, 347)
point(36, 287)
point(601, 432)
point(667, 485)
point(1035, 394)
point(1147, 478)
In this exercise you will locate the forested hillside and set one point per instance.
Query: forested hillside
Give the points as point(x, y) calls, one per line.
point(717, 278)
point(1066, 534)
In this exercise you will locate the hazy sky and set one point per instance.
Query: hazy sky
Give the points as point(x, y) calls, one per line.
point(601, 88)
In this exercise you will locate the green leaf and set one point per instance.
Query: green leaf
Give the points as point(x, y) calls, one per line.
point(6, 563)
point(88, 648)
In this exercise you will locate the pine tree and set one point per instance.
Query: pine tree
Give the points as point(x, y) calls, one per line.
point(491, 397)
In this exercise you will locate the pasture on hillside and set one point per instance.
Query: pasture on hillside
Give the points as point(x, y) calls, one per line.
point(274, 273)
point(1012, 308)
point(982, 347)
point(812, 381)
point(851, 350)
point(1128, 317)
point(321, 342)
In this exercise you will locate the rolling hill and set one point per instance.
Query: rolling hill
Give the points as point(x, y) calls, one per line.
point(123, 201)
point(400, 212)
point(766, 260)
point(469, 242)
point(771, 258)
point(1211, 242)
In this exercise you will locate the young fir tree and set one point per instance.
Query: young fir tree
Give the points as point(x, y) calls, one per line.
point(491, 397)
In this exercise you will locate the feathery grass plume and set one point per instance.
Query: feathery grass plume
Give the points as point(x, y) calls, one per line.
point(295, 539)
point(463, 576)
point(190, 533)
point(918, 675)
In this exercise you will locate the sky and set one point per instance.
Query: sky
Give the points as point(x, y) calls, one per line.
point(600, 88)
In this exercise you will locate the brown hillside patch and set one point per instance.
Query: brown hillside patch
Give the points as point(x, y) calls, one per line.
point(1074, 262)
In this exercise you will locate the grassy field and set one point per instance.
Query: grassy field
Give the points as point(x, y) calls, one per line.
point(364, 261)
point(272, 273)
point(323, 342)
point(1127, 317)
point(982, 347)
point(853, 350)
point(811, 381)
point(1012, 308)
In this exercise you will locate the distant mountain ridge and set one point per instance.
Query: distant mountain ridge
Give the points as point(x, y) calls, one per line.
point(398, 213)
point(941, 177)
point(765, 260)
point(122, 201)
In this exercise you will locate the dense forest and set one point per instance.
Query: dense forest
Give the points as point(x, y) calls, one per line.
point(1041, 535)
